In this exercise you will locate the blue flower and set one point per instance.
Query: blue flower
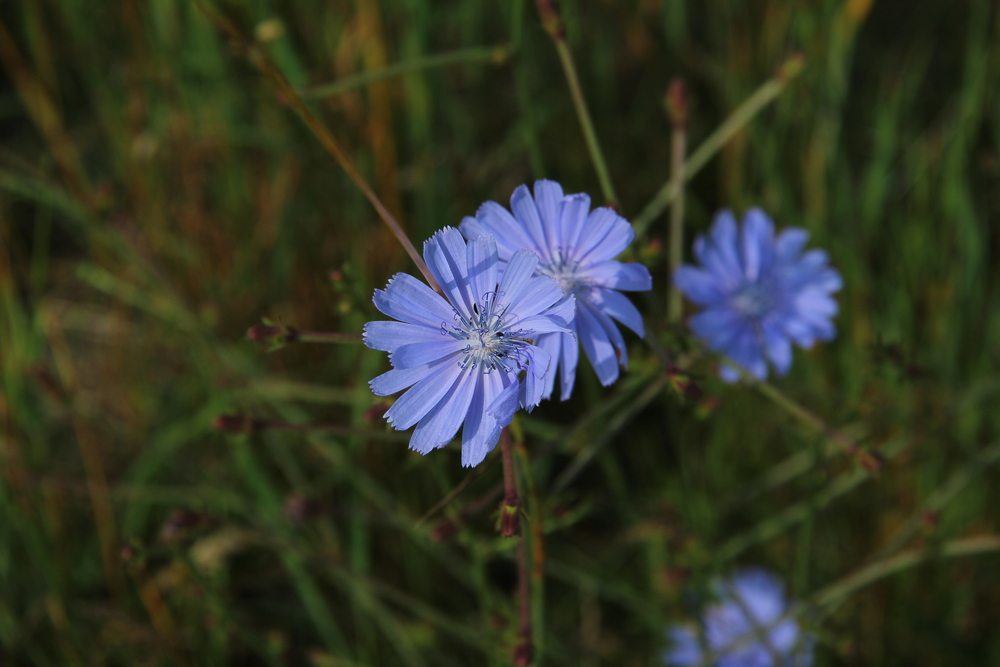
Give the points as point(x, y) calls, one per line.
point(747, 626)
point(760, 293)
point(468, 357)
point(577, 248)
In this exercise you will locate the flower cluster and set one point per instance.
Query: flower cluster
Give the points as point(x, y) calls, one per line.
point(748, 625)
point(522, 291)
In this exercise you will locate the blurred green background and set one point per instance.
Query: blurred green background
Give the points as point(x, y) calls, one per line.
point(157, 198)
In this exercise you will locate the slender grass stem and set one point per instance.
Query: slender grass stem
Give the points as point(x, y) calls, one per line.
point(850, 584)
point(496, 55)
point(676, 104)
point(553, 24)
point(815, 423)
point(737, 120)
point(288, 95)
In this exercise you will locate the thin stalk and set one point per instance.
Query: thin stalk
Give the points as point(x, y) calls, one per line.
point(533, 512)
point(676, 103)
point(237, 423)
point(496, 55)
point(327, 337)
point(845, 587)
point(290, 96)
point(868, 460)
point(510, 527)
point(736, 121)
point(553, 24)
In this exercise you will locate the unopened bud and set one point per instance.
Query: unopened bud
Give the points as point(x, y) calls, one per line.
point(509, 518)
point(792, 67)
point(548, 12)
point(677, 103)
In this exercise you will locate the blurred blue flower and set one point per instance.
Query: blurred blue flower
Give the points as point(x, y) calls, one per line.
point(576, 247)
point(461, 357)
point(760, 293)
point(745, 627)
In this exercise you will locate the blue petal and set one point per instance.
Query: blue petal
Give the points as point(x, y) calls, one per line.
point(746, 351)
point(495, 220)
point(548, 197)
point(757, 241)
point(555, 319)
point(540, 294)
point(422, 397)
point(398, 379)
point(724, 240)
point(535, 379)
point(596, 346)
point(406, 298)
point(516, 276)
point(447, 258)
point(572, 218)
point(569, 357)
point(618, 306)
point(685, 650)
point(778, 348)
point(442, 423)
point(481, 431)
point(790, 243)
point(718, 326)
point(614, 335)
point(504, 406)
point(523, 206)
point(598, 224)
point(387, 336)
point(698, 285)
point(551, 344)
point(616, 237)
point(418, 354)
point(631, 277)
point(483, 266)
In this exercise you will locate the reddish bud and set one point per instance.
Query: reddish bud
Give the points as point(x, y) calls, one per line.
point(677, 103)
point(509, 518)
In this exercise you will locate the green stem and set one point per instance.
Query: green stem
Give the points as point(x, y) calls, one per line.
point(815, 423)
point(553, 24)
point(327, 337)
point(840, 590)
point(496, 55)
point(736, 121)
point(533, 516)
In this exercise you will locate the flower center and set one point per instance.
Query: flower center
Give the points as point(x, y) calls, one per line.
point(491, 343)
point(754, 299)
point(564, 271)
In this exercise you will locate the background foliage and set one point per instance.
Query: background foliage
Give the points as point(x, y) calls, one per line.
point(156, 199)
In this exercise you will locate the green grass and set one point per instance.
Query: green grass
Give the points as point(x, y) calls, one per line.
point(156, 199)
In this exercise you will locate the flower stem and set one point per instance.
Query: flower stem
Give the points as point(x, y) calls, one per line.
point(737, 120)
point(510, 527)
point(553, 24)
point(287, 94)
point(676, 103)
point(495, 55)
